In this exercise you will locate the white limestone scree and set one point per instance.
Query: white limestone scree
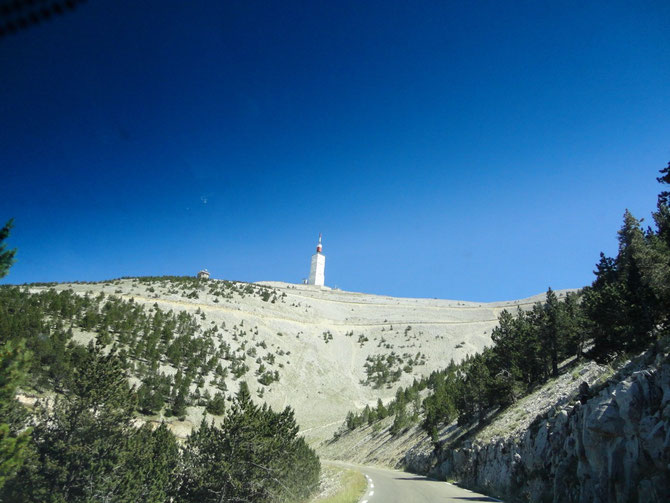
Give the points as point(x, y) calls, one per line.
point(317, 270)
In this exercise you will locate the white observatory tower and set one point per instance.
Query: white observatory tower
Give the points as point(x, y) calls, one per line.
point(317, 270)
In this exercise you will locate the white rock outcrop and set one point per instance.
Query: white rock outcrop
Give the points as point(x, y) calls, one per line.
point(611, 446)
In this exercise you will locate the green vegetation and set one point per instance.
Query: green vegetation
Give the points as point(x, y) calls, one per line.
point(406, 407)
point(14, 438)
point(14, 361)
point(85, 447)
point(383, 369)
point(255, 455)
point(387, 369)
point(6, 256)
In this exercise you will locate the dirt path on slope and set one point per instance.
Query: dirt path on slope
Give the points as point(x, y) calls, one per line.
point(320, 321)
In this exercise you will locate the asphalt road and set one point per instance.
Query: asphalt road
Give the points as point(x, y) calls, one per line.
point(392, 486)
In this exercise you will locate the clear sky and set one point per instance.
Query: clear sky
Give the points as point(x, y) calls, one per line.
point(464, 150)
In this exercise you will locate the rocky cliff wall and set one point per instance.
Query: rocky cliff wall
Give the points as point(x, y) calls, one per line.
point(613, 445)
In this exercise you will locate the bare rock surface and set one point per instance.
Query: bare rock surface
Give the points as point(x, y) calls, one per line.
point(613, 447)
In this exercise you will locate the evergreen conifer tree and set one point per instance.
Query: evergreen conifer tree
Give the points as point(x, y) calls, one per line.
point(87, 447)
point(382, 412)
point(14, 439)
point(13, 366)
point(6, 256)
point(217, 405)
point(551, 330)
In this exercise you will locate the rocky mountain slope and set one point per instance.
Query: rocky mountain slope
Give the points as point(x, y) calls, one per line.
point(596, 433)
point(323, 352)
point(611, 444)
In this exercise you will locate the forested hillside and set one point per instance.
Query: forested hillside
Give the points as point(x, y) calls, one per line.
point(83, 441)
point(149, 341)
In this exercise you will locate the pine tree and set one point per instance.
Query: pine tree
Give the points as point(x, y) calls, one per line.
point(662, 214)
point(551, 330)
point(401, 419)
point(13, 441)
point(13, 366)
point(622, 302)
point(149, 399)
point(255, 455)
point(440, 407)
point(179, 405)
point(372, 417)
point(350, 421)
point(82, 440)
point(604, 302)
point(6, 256)
point(151, 463)
point(575, 325)
point(473, 399)
point(382, 412)
point(507, 359)
point(217, 405)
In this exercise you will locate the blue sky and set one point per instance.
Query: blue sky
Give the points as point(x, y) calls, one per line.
point(466, 150)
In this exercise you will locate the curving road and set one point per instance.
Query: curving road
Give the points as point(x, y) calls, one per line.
point(392, 486)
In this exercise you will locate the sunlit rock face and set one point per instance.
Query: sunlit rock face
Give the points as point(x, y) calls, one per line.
point(613, 447)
